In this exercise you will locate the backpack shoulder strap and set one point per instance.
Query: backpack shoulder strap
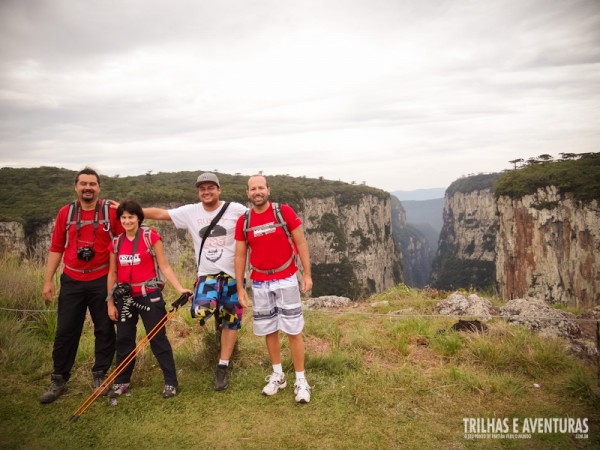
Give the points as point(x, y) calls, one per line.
point(280, 219)
point(117, 242)
point(147, 236)
point(71, 214)
point(247, 223)
point(147, 232)
point(106, 217)
point(70, 220)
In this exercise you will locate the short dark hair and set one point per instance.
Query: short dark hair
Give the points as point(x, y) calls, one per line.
point(87, 171)
point(132, 207)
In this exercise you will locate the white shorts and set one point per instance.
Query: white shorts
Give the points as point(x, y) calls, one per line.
point(277, 306)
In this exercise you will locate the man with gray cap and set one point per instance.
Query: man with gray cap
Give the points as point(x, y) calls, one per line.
point(215, 292)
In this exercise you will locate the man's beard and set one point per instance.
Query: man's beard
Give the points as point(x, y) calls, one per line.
point(259, 200)
point(88, 199)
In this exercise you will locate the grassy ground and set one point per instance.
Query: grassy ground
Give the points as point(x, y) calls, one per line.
point(379, 381)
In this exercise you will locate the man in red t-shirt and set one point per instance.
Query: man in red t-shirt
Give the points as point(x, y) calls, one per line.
point(275, 290)
point(81, 243)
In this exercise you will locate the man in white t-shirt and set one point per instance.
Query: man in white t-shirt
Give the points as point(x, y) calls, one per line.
point(215, 292)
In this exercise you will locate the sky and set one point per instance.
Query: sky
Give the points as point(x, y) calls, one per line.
point(396, 94)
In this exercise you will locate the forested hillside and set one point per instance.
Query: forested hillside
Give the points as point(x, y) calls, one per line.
point(575, 173)
point(33, 196)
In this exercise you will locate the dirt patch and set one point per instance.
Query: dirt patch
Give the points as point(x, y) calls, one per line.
point(179, 331)
point(387, 362)
point(422, 356)
point(317, 346)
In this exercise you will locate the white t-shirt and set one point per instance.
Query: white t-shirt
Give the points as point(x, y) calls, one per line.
point(219, 248)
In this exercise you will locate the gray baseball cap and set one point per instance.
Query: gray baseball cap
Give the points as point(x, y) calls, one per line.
point(208, 177)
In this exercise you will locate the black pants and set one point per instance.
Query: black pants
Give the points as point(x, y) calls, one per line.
point(126, 334)
point(74, 299)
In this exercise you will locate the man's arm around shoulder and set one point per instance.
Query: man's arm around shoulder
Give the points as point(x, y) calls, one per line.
point(156, 214)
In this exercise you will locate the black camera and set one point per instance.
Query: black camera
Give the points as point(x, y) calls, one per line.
point(85, 253)
point(122, 291)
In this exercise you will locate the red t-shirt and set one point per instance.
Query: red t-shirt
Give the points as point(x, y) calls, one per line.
point(137, 268)
point(99, 240)
point(270, 247)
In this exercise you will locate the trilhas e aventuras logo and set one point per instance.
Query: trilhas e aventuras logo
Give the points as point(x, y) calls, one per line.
point(523, 428)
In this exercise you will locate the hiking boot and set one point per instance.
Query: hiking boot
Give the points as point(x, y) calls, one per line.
point(221, 377)
point(302, 390)
point(118, 389)
point(169, 391)
point(97, 380)
point(58, 386)
point(275, 381)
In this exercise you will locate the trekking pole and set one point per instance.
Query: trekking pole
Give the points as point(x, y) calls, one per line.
point(115, 373)
point(182, 300)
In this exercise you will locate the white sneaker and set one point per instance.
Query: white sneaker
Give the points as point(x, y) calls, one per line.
point(275, 381)
point(302, 391)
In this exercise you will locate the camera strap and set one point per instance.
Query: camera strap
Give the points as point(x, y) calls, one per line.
point(209, 229)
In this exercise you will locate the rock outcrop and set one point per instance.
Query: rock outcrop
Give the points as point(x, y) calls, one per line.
point(538, 316)
point(548, 246)
point(327, 301)
point(535, 314)
point(531, 313)
point(457, 304)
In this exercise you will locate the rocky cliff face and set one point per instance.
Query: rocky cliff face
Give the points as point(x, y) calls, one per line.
point(466, 250)
point(12, 238)
point(472, 224)
point(350, 241)
point(549, 247)
point(351, 244)
point(545, 246)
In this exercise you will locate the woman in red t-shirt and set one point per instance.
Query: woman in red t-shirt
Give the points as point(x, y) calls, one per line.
point(133, 275)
